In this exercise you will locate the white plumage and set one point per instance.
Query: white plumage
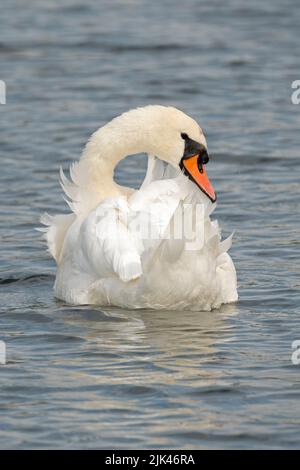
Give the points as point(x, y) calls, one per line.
point(118, 247)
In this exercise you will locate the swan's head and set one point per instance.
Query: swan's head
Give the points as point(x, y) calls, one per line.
point(172, 136)
point(166, 133)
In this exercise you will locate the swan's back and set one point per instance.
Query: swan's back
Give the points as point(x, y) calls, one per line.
point(124, 252)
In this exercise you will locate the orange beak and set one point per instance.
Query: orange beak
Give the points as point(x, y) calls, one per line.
point(198, 174)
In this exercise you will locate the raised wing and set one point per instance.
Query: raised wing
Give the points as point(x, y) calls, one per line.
point(107, 246)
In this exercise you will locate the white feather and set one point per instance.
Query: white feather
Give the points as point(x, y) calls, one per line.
point(55, 231)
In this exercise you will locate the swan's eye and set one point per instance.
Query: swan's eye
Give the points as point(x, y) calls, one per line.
point(184, 136)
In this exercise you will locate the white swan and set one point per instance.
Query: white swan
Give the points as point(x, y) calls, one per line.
point(123, 247)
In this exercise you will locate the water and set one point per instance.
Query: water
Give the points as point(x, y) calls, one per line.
point(92, 378)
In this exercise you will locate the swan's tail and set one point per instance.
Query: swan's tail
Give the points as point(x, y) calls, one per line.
point(55, 229)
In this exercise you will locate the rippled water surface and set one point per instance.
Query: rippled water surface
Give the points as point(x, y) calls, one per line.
point(93, 378)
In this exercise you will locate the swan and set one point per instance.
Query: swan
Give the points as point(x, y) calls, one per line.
point(118, 246)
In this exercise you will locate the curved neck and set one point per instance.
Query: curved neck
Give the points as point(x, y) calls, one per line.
point(94, 175)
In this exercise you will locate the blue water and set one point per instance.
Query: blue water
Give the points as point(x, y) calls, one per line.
point(92, 378)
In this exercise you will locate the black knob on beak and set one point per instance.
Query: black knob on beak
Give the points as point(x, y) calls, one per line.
point(203, 155)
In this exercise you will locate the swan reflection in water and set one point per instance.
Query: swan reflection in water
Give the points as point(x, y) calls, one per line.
point(155, 346)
